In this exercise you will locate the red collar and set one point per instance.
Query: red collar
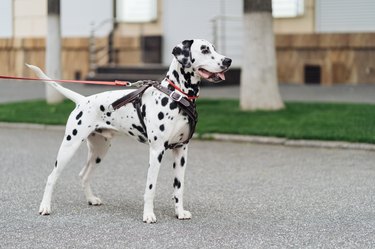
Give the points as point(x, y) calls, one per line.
point(179, 89)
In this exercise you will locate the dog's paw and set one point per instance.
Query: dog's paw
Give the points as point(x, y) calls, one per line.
point(149, 218)
point(184, 215)
point(94, 201)
point(44, 209)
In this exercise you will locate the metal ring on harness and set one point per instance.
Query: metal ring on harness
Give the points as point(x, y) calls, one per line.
point(173, 94)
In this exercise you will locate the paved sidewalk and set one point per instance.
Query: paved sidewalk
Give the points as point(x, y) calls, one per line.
point(364, 93)
point(241, 196)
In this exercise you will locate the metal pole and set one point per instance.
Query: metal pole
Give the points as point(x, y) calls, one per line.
point(223, 19)
point(92, 52)
point(53, 50)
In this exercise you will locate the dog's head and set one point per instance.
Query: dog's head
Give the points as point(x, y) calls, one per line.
point(202, 56)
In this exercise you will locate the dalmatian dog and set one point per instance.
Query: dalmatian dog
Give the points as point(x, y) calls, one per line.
point(95, 122)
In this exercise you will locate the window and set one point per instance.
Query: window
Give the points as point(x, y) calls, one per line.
point(136, 11)
point(287, 8)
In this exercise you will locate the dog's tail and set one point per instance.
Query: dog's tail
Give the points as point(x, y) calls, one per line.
point(75, 97)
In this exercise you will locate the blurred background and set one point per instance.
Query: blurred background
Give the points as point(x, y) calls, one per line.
point(322, 42)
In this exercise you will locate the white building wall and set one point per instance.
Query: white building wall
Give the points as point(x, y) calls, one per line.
point(6, 21)
point(345, 15)
point(77, 17)
point(29, 17)
point(184, 19)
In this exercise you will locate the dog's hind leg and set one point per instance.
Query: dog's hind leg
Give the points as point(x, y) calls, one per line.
point(180, 160)
point(66, 152)
point(72, 140)
point(97, 148)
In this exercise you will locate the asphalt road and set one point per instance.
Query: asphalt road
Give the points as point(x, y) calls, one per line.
point(241, 196)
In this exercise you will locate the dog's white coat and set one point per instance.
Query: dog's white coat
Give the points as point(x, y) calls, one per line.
point(93, 121)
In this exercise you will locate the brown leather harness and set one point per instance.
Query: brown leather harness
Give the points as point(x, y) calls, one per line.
point(184, 103)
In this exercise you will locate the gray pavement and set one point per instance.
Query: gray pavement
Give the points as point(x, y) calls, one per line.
point(241, 195)
point(11, 91)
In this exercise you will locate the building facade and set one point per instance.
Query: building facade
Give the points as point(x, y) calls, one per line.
point(317, 41)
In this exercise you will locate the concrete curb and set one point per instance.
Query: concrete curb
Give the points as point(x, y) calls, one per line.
point(289, 142)
point(229, 138)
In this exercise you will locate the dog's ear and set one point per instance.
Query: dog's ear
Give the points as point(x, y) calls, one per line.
point(182, 52)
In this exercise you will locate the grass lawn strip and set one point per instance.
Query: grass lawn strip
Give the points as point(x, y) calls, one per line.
point(315, 121)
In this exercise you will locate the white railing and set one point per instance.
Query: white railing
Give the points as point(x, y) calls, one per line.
point(101, 51)
point(227, 33)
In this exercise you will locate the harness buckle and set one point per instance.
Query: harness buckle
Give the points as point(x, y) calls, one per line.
point(173, 96)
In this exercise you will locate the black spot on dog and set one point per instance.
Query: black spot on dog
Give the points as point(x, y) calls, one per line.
point(164, 101)
point(166, 144)
point(182, 161)
point(175, 74)
point(108, 123)
point(79, 115)
point(108, 114)
point(160, 115)
point(131, 133)
point(160, 157)
point(56, 164)
point(80, 122)
point(141, 139)
point(75, 132)
point(176, 199)
point(150, 187)
point(176, 183)
point(205, 49)
point(162, 128)
point(155, 138)
point(98, 160)
point(177, 51)
point(68, 138)
point(174, 165)
point(143, 111)
point(102, 108)
point(173, 105)
point(140, 129)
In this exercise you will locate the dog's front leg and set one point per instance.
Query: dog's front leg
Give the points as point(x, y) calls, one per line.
point(180, 155)
point(155, 160)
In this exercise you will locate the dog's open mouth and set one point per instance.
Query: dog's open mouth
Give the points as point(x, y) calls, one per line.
point(211, 76)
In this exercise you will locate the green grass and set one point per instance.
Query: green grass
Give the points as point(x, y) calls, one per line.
point(36, 112)
point(322, 121)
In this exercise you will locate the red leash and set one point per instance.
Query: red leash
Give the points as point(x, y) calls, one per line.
point(94, 82)
point(110, 83)
point(179, 89)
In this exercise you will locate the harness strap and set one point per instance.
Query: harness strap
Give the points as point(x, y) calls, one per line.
point(130, 97)
point(136, 97)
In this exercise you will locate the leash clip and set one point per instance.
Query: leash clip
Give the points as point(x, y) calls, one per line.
point(121, 83)
point(173, 96)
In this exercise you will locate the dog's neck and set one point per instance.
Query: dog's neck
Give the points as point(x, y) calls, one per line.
point(187, 79)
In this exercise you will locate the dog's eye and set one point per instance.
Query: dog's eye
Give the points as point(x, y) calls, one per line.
point(205, 49)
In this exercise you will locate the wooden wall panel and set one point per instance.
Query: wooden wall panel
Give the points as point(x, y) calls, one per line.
point(343, 58)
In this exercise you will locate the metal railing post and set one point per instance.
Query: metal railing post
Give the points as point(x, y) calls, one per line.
point(92, 52)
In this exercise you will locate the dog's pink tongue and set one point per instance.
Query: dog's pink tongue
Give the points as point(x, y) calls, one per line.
point(205, 74)
point(221, 75)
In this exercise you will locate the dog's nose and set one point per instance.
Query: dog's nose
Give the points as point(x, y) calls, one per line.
point(227, 62)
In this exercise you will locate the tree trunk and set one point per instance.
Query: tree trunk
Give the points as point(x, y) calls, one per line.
point(53, 50)
point(259, 87)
